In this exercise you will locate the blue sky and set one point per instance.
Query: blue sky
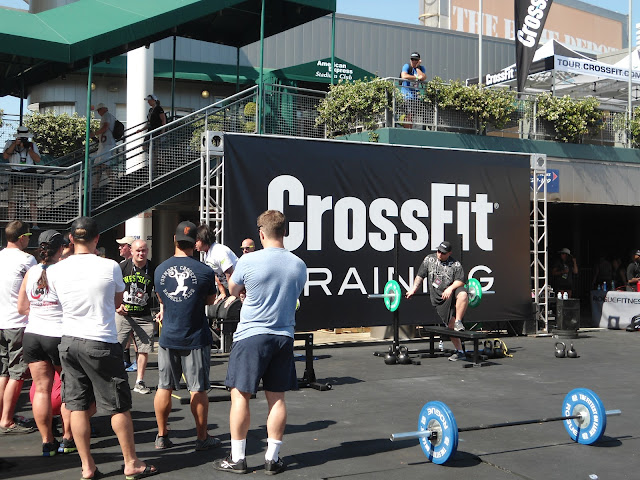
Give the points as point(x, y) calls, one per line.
point(402, 11)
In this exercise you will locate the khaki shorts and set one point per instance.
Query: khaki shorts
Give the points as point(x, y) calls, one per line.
point(12, 362)
point(142, 329)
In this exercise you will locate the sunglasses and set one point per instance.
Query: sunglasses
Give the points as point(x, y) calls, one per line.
point(247, 248)
point(28, 234)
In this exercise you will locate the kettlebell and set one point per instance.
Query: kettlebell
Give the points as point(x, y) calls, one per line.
point(390, 358)
point(497, 349)
point(571, 353)
point(560, 352)
point(488, 349)
point(403, 356)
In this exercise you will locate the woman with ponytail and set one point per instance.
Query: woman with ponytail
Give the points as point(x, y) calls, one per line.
point(40, 342)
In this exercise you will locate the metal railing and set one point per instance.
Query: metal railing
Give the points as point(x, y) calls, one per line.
point(145, 159)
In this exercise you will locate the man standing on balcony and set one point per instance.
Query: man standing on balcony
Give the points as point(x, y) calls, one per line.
point(22, 155)
point(412, 74)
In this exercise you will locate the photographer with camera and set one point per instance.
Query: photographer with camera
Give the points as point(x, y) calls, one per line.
point(22, 155)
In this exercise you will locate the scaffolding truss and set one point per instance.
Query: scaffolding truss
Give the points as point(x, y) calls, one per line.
point(539, 243)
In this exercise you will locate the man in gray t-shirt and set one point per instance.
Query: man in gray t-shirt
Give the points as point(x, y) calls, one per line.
point(445, 277)
point(262, 346)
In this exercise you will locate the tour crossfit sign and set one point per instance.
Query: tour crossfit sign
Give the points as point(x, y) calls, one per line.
point(347, 204)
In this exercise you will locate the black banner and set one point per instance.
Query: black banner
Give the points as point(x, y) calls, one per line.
point(347, 203)
point(530, 16)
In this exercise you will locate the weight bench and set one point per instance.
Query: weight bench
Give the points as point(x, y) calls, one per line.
point(478, 360)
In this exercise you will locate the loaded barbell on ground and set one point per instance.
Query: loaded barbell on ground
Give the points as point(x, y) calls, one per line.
point(583, 414)
point(392, 294)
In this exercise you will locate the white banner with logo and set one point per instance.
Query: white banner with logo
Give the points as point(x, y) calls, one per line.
point(585, 67)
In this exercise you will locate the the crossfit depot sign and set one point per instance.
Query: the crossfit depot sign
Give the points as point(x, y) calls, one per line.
point(585, 67)
point(347, 204)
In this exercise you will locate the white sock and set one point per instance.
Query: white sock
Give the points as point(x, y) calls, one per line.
point(273, 449)
point(237, 449)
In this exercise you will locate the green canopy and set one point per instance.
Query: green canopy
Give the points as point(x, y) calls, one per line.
point(37, 47)
point(197, 71)
point(318, 71)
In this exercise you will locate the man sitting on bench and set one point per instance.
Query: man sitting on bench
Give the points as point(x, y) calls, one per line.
point(445, 277)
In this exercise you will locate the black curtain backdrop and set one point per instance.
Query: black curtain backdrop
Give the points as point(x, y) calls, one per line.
point(530, 17)
point(345, 202)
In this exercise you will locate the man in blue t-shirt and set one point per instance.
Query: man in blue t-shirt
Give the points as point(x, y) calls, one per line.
point(412, 74)
point(184, 286)
point(262, 348)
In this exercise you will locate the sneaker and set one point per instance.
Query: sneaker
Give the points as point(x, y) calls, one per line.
point(140, 387)
point(67, 446)
point(208, 443)
point(163, 443)
point(16, 429)
point(50, 449)
point(127, 364)
point(457, 356)
point(227, 465)
point(458, 326)
point(134, 366)
point(274, 467)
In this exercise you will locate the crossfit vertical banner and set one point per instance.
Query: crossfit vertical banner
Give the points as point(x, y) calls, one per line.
point(348, 203)
point(530, 16)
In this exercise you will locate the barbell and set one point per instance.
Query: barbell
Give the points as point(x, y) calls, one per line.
point(583, 414)
point(392, 294)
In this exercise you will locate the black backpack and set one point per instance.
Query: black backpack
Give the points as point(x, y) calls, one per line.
point(118, 130)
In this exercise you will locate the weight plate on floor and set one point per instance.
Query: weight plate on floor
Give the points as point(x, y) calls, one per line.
point(590, 428)
point(392, 288)
point(475, 292)
point(438, 418)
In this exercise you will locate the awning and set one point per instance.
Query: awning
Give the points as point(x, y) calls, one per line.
point(38, 47)
point(318, 71)
point(196, 71)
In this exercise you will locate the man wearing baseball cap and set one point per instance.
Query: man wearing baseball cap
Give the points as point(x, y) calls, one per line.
point(413, 73)
point(445, 277)
point(89, 289)
point(563, 271)
point(22, 155)
point(124, 245)
point(184, 286)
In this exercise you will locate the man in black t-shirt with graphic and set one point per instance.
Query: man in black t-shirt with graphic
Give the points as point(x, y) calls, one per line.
point(184, 286)
point(134, 315)
point(445, 277)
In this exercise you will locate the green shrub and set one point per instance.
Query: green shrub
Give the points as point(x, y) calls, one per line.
point(58, 135)
point(571, 118)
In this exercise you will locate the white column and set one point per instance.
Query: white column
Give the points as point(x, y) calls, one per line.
point(140, 226)
point(139, 85)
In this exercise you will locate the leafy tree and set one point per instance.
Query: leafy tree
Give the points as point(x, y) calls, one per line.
point(58, 135)
point(571, 118)
point(349, 105)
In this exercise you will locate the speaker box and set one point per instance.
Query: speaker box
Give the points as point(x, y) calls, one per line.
point(568, 314)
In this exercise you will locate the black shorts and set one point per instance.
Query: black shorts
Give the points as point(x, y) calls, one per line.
point(447, 308)
point(93, 371)
point(40, 348)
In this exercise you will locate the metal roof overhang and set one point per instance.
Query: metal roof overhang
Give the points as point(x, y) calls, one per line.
point(38, 47)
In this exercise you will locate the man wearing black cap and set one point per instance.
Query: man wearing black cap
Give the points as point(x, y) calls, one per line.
point(15, 263)
point(633, 272)
point(22, 155)
point(445, 277)
point(90, 289)
point(412, 74)
point(184, 286)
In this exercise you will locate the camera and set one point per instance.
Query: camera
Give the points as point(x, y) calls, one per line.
point(25, 142)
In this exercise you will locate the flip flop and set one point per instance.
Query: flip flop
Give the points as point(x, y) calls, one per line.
point(148, 471)
point(96, 474)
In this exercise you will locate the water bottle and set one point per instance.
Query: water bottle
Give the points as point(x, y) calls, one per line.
point(441, 346)
point(613, 285)
point(599, 287)
point(565, 296)
point(604, 286)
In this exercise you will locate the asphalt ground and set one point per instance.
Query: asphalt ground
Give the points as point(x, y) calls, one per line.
point(344, 432)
